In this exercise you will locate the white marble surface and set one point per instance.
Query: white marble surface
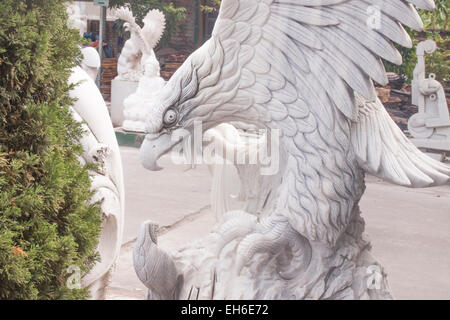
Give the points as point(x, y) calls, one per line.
point(100, 147)
point(304, 69)
point(408, 228)
point(120, 90)
point(430, 127)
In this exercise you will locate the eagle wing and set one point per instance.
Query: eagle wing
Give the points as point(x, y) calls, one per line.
point(154, 26)
point(303, 57)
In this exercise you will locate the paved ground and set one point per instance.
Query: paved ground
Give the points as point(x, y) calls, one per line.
point(409, 228)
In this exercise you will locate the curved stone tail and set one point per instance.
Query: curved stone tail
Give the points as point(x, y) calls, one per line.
point(154, 267)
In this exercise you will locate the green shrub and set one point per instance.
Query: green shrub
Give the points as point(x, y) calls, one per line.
point(46, 221)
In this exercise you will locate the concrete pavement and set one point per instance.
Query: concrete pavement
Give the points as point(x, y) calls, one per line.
point(409, 228)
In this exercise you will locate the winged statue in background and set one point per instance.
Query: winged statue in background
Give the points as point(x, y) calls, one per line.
point(306, 68)
point(139, 48)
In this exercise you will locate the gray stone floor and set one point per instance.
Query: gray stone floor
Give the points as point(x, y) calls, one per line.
point(409, 228)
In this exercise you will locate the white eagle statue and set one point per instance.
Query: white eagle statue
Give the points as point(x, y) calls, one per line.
point(306, 68)
point(101, 148)
point(138, 50)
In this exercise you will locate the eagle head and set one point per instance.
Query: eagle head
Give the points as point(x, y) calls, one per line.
point(195, 94)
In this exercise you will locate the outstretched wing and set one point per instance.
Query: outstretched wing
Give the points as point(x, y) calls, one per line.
point(311, 56)
point(307, 67)
point(336, 44)
point(125, 14)
point(384, 151)
point(154, 25)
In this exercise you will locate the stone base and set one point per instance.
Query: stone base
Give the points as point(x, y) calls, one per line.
point(133, 126)
point(129, 139)
point(436, 149)
point(436, 156)
point(435, 144)
point(120, 90)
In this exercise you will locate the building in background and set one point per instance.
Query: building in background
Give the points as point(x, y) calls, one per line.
point(197, 27)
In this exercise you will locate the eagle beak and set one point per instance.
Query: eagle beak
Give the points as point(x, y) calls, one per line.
point(154, 147)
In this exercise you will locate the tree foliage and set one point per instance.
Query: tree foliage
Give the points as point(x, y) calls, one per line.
point(174, 15)
point(210, 5)
point(436, 28)
point(46, 221)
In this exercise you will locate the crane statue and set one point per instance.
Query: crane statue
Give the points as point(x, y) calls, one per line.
point(306, 69)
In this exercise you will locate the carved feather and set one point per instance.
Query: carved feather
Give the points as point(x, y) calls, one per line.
point(125, 14)
point(307, 67)
point(154, 26)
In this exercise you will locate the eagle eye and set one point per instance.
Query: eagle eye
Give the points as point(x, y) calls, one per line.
point(170, 117)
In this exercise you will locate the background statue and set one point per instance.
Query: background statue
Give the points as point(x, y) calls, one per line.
point(139, 48)
point(430, 127)
point(305, 68)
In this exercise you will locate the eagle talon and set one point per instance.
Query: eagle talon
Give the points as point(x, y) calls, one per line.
point(272, 234)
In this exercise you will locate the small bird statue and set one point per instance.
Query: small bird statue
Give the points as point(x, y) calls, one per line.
point(306, 68)
point(139, 48)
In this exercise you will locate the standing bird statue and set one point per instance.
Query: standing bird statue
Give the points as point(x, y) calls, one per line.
point(307, 69)
point(139, 48)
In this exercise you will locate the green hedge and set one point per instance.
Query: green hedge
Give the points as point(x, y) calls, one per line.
point(46, 223)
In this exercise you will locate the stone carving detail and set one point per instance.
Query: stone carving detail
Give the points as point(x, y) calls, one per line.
point(160, 276)
point(305, 68)
point(136, 105)
point(430, 127)
point(139, 48)
point(138, 62)
point(100, 145)
point(91, 62)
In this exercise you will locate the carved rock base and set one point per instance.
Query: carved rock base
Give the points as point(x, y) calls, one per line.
point(120, 90)
point(203, 271)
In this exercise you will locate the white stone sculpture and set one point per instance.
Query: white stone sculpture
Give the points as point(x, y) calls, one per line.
point(100, 147)
point(139, 48)
point(120, 90)
point(91, 62)
point(231, 179)
point(136, 105)
point(306, 68)
point(76, 19)
point(430, 127)
point(137, 62)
